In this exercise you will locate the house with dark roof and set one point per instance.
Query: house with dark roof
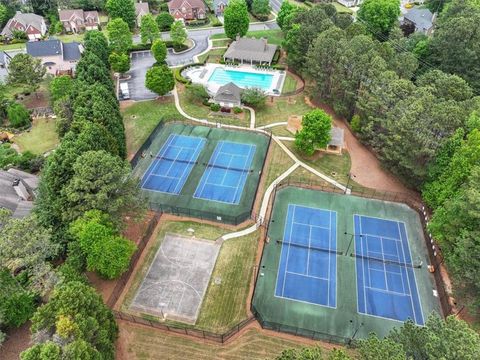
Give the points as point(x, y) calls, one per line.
point(187, 9)
point(228, 95)
point(141, 9)
point(17, 191)
point(32, 25)
point(57, 57)
point(78, 20)
point(219, 7)
point(250, 50)
point(421, 18)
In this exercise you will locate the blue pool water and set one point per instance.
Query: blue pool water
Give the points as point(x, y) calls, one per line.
point(242, 79)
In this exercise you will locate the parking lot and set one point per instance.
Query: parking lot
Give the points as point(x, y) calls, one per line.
point(141, 62)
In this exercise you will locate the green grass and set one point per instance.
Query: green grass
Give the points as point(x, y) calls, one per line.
point(214, 55)
point(290, 84)
point(144, 343)
point(342, 9)
point(273, 36)
point(221, 42)
point(141, 118)
point(281, 109)
point(278, 164)
point(224, 305)
point(12, 46)
point(41, 138)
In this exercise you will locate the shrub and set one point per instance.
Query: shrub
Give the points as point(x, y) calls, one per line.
point(237, 110)
point(254, 97)
point(18, 115)
point(356, 124)
point(197, 92)
point(215, 107)
point(16, 304)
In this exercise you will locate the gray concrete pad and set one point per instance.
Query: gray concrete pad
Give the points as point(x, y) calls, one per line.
point(177, 279)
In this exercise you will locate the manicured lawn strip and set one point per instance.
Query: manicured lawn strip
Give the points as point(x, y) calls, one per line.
point(273, 36)
point(18, 46)
point(41, 138)
point(143, 343)
point(290, 84)
point(224, 305)
point(278, 164)
point(281, 131)
point(213, 55)
point(141, 118)
point(221, 42)
point(281, 109)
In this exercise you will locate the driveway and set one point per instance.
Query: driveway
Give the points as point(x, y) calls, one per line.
point(141, 62)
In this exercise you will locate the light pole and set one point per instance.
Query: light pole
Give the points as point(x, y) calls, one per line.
point(350, 175)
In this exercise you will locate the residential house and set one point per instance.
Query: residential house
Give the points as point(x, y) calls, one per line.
point(219, 7)
point(17, 191)
point(228, 95)
point(141, 9)
point(57, 57)
point(31, 24)
point(421, 18)
point(187, 9)
point(250, 50)
point(78, 20)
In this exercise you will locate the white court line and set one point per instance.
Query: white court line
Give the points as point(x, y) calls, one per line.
point(288, 251)
point(189, 167)
point(307, 276)
point(315, 226)
point(154, 163)
point(387, 291)
point(408, 280)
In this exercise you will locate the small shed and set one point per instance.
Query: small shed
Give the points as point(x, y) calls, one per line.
point(337, 141)
point(228, 95)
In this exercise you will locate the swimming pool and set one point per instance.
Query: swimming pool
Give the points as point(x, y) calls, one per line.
point(243, 79)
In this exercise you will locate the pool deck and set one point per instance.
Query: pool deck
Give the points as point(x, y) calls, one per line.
point(201, 75)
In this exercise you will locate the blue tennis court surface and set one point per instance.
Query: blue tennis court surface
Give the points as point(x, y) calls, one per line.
point(173, 163)
point(386, 285)
point(226, 173)
point(308, 261)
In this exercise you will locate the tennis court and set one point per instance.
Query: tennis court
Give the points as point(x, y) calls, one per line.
point(338, 267)
point(386, 285)
point(308, 261)
point(170, 169)
point(226, 173)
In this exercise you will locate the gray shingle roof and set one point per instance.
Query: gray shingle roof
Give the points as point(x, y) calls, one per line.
point(71, 51)
point(250, 49)
point(44, 48)
point(10, 199)
point(337, 137)
point(24, 19)
point(228, 93)
point(422, 18)
point(219, 2)
point(141, 8)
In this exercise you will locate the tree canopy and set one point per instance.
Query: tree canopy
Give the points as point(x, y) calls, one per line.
point(164, 21)
point(315, 132)
point(26, 70)
point(149, 29)
point(159, 51)
point(122, 9)
point(160, 80)
point(119, 36)
point(178, 34)
point(236, 19)
point(379, 16)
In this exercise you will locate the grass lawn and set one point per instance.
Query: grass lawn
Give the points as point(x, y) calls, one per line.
point(342, 9)
point(143, 343)
point(290, 84)
point(273, 36)
point(278, 164)
point(220, 42)
point(224, 305)
point(213, 56)
point(41, 138)
point(71, 38)
point(281, 109)
point(141, 118)
point(18, 46)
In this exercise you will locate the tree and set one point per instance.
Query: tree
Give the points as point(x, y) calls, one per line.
point(164, 21)
point(122, 9)
point(16, 304)
point(106, 252)
point(315, 132)
point(119, 35)
point(60, 86)
point(178, 34)
point(91, 70)
point(159, 79)
point(261, 9)
point(120, 63)
point(100, 181)
point(254, 97)
point(373, 348)
point(26, 70)
point(159, 51)
point(18, 115)
point(236, 19)
point(149, 29)
point(286, 9)
point(77, 311)
point(96, 43)
point(379, 16)
point(3, 15)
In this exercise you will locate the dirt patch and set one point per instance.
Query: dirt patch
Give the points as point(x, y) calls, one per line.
point(17, 340)
point(36, 100)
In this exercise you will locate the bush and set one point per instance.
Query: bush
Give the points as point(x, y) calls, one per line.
point(276, 56)
point(30, 162)
point(179, 77)
point(356, 124)
point(215, 107)
point(197, 22)
point(16, 304)
point(197, 92)
point(254, 97)
point(237, 110)
point(164, 19)
point(18, 115)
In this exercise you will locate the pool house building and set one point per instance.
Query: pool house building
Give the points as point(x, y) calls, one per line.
point(250, 51)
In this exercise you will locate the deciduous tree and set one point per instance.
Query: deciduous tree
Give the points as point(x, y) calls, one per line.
point(60, 86)
point(119, 63)
point(122, 9)
point(261, 9)
point(159, 51)
point(26, 70)
point(149, 29)
point(96, 42)
point(315, 132)
point(119, 36)
point(178, 34)
point(236, 19)
point(160, 80)
point(379, 16)
point(164, 21)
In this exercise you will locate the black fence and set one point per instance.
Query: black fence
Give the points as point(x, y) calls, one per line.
point(146, 145)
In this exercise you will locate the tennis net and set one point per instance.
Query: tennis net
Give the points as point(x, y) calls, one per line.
point(387, 261)
point(227, 168)
point(317, 248)
point(176, 160)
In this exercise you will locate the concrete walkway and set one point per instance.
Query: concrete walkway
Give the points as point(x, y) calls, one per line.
point(268, 192)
